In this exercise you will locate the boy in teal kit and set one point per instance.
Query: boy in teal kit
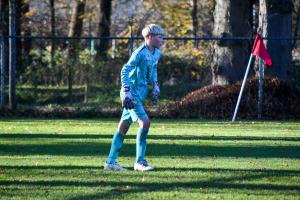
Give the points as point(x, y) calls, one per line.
point(136, 74)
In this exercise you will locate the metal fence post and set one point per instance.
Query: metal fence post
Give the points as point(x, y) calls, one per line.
point(3, 67)
point(260, 89)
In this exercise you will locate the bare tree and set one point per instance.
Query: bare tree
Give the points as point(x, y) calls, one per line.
point(25, 28)
point(230, 58)
point(74, 31)
point(297, 27)
point(195, 23)
point(4, 29)
point(4, 24)
point(275, 20)
point(22, 28)
point(104, 27)
point(12, 55)
point(52, 30)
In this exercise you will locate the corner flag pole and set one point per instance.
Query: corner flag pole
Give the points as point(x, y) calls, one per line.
point(259, 50)
point(242, 88)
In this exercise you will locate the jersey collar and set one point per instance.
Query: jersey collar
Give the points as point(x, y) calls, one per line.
point(149, 49)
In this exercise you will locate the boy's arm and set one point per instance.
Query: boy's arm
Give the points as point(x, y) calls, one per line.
point(126, 96)
point(156, 90)
point(127, 68)
point(154, 74)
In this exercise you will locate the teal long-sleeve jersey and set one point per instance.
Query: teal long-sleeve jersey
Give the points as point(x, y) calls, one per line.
point(140, 70)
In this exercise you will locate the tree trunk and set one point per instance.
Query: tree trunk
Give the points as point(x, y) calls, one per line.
point(104, 27)
point(195, 23)
point(275, 20)
point(18, 61)
point(4, 26)
point(297, 28)
point(52, 31)
point(22, 28)
point(25, 30)
point(205, 17)
point(12, 55)
point(4, 30)
point(74, 31)
point(230, 57)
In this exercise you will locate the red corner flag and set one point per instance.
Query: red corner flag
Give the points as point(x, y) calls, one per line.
point(260, 50)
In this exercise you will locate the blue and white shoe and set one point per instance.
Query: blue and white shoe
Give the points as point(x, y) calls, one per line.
point(114, 167)
point(142, 166)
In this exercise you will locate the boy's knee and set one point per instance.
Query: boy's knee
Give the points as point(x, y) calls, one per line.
point(123, 131)
point(145, 123)
point(123, 127)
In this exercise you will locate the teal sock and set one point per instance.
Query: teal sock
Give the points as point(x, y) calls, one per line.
point(141, 144)
point(116, 145)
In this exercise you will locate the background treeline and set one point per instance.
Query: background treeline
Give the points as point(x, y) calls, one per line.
point(61, 70)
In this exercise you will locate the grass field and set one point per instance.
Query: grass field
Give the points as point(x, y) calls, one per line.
point(63, 159)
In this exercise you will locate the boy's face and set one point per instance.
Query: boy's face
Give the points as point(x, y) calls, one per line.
point(156, 41)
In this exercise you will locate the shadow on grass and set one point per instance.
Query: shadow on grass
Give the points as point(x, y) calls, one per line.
point(79, 148)
point(153, 186)
point(124, 188)
point(157, 169)
point(128, 188)
point(152, 137)
point(133, 187)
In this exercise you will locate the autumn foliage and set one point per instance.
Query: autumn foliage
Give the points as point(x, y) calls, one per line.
point(280, 101)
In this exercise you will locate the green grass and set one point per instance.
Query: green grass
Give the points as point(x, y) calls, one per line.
point(63, 159)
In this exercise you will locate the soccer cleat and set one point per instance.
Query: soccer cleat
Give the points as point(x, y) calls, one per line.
point(142, 166)
point(114, 167)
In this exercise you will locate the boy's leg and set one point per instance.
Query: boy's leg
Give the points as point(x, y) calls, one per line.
point(141, 139)
point(141, 144)
point(138, 114)
point(117, 141)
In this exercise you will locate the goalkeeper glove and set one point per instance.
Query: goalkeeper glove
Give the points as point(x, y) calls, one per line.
point(126, 98)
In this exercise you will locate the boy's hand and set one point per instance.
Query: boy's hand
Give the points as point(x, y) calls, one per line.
point(156, 92)
point(126, 98)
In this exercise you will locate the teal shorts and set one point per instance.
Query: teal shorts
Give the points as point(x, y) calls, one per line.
point(134, 114)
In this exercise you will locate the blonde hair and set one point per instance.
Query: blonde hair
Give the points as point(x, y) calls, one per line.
point(153, 29)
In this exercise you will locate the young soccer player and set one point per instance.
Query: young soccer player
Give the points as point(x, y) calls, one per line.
point(136, 74)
